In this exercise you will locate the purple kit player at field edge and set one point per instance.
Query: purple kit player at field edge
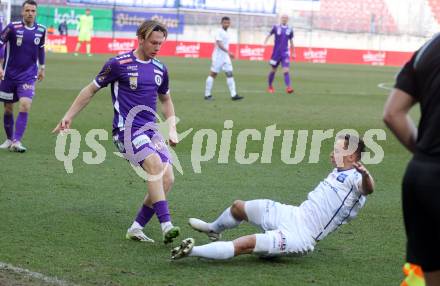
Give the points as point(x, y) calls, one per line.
point(281, 53)
point(24, 42)
point(137, 80)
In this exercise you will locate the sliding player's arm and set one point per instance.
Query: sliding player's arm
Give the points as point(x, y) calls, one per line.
point(367, 184)
point(81, 101)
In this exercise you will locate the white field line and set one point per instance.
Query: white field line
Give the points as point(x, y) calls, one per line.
point(385, 85)
point(36, 275)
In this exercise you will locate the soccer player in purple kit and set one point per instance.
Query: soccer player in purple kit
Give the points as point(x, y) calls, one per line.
point(281, 53)
point(137, 80)
point(24, 42)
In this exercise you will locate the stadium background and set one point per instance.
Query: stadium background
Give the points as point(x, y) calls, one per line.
point(378, 32)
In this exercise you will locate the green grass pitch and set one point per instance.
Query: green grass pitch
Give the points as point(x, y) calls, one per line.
point(72, 226)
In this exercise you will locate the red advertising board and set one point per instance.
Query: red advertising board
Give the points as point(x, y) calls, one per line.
point(185, 49)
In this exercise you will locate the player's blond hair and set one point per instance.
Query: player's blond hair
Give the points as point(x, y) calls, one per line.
point(147, 27)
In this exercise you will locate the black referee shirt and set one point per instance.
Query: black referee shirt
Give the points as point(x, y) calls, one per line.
point(420, 78)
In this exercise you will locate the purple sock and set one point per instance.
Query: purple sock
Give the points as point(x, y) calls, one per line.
point(287, 79)
point(271, 77)
point(144, 215)
point(20, 125)
point(8, 122)
point(162, 212)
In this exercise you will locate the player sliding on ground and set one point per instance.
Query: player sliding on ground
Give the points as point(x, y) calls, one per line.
point(290, 229)
point(137, 80)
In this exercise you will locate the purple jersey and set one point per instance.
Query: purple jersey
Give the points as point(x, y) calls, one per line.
point(2, 50)
point(24, 48)
point(282, 36)
point(133, 83)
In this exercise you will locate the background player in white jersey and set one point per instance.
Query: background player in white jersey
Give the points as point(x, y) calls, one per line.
point(291, 229)
point(221, 60)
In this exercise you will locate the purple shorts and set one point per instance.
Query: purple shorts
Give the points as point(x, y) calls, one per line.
point(12, 91)
point(141, 145)
point(283, 59)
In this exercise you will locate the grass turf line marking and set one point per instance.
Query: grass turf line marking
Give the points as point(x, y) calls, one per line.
point(35, 275)
point(385, 85)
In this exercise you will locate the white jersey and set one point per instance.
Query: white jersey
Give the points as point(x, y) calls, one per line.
point(221, 36)
point(335, 201)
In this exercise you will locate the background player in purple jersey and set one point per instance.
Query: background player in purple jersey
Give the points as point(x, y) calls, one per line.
point(281, 53)
point(137, 79)
point(22, 65)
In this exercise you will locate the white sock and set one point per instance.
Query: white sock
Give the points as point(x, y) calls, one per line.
point(209, 84)
point(220, 250)
point(166, 226)
point(224, 221)
point(231, 84)
point(136, 225)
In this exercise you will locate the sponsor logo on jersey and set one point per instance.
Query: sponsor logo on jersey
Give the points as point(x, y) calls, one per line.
point(158, 79)
point(341, 177)
point(6, 95)
point(104, 74)
point(141, 140)
point(18, 26)
point(283, 241)
point(19, 41)
point(125, 61)
point(329, 185)
point(20, 32)
point(28, 86)
point(158, 71)
point(133, 82)
point(123, 56)
point(133, 74)
point(132, 68)
point(158, 143)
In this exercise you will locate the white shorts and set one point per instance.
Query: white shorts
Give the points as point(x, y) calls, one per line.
point(285, 232)
point(221, 63)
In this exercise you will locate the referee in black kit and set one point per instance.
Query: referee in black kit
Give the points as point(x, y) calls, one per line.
point(419, 82)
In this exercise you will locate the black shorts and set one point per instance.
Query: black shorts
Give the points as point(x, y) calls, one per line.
point(421, 212)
